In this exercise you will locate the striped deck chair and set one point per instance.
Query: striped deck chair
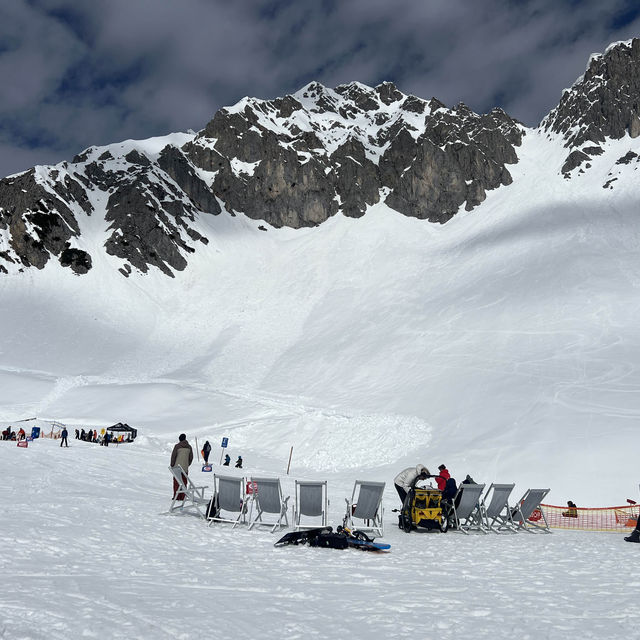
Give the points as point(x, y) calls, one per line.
point(193, 497)
point(497, 513)
point(311, 502)
point(366, 505)
point(528, 513)
point(466, 508)
point(267, 499)
point(229, 500)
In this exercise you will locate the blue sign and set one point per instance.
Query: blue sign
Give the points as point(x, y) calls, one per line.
point(225, 442)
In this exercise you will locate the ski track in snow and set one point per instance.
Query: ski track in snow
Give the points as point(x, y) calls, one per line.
point(91, 552)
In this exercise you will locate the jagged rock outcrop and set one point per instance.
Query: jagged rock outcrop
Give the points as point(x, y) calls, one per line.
point(603, 103)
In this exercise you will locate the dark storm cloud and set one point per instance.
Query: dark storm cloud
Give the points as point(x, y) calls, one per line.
point(81, 73)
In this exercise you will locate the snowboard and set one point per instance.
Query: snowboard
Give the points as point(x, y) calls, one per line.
point(368, 545)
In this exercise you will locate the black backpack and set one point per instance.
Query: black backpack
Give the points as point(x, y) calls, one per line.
point(329, 541)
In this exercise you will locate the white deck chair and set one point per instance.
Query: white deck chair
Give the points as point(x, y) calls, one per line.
point(522, 513)
point(194, 499)
point(312, 502)
point(468, 514)
point(268, 499)
point(366, 505)
point(497, 513)
point(228, 497)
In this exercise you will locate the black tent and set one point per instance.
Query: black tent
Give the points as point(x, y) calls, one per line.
point(124, 428)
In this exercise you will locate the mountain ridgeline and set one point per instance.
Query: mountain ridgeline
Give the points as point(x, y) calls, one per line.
point(296, 161)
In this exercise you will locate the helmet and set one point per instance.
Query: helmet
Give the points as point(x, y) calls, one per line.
point(421, 469)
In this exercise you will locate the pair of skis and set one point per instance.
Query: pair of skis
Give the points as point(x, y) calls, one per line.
point(313, 537)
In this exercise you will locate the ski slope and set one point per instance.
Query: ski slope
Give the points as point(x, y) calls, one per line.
point(504, 343)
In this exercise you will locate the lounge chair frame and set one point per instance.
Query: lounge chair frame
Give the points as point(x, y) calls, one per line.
point(228, 496)
point(311, 501)
point(194, 498)
point(267, 498)
point(468, 514)
point(524, 509)
point(366, 505)
point(496, 512)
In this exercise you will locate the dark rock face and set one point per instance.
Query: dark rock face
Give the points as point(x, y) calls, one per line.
point(338, 150)
point(603, 103)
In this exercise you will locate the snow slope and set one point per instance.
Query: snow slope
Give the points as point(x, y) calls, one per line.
point(504, 343)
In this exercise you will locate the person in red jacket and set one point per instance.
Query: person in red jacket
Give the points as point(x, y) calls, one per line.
point(441, 480)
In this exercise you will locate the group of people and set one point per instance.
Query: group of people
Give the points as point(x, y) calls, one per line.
point(407, 479)
point(103, 438)
point(8, 434)
point(206, 452)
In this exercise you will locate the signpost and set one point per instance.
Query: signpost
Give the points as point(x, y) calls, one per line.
point(225, 442)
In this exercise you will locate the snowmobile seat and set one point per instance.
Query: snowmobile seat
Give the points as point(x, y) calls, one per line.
point(497, 513)
point(228, 497)
point(193, 497)
point(528, 512)
point(312, 502)
point(467, 513)
point(366, 505)
point(267, 499)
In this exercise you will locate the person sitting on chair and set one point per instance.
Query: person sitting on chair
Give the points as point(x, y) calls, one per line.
point(572, 511)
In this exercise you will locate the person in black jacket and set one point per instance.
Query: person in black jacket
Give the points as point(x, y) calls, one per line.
point(239, 462)
point(206, 450)
point(65, 433)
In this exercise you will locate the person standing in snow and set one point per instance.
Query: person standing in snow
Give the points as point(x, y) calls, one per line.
point(239, 462)
point(406, 480)
point(182, 455)
point(65, 433)
point(441, 480)
point(206, 450)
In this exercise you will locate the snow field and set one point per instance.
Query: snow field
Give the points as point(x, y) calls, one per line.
point(91, 552)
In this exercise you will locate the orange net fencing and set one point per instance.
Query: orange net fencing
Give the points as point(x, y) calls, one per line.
point(617, 519)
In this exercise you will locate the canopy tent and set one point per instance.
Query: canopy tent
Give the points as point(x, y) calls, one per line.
point(123, 428)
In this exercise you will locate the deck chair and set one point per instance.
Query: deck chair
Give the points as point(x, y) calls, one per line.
point(366, 505)
point(497, 513)
point(267, 499)
point(527, 512)
point(311, 502)
point(228, 497)
point(193, 499)
point(468, 514)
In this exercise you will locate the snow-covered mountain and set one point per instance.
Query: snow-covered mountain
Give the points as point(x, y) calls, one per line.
point(374, 278)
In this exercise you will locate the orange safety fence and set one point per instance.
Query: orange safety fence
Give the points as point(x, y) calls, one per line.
point(616, 519)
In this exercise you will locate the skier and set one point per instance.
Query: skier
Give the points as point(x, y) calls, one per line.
point(239, 462)
point(65, 433)
point(206, 450)
point(406, 479)
point(227, 460)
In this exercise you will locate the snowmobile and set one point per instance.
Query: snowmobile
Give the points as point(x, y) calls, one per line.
point(425, 507)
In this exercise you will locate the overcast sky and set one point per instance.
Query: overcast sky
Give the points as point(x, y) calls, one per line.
point(83, 72)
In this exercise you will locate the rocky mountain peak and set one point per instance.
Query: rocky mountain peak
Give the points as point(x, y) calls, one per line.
point(292, 161)
point(604, 103)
